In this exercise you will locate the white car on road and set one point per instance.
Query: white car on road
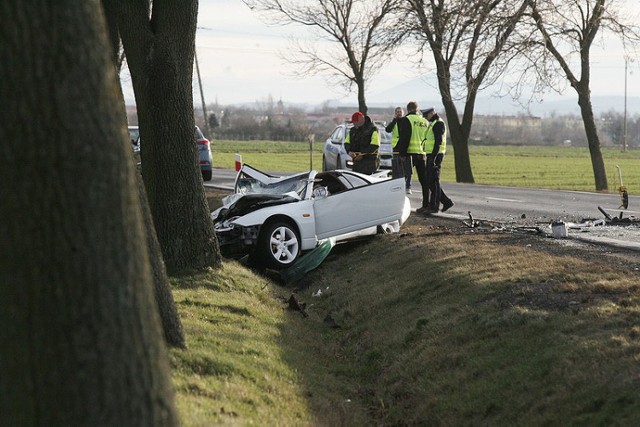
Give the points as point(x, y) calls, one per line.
point(276, 219)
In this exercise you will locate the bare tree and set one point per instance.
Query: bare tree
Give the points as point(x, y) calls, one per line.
point(81, 341)
point(567, 29)
point(159, 43)
point(356, 32)
point(468, 41)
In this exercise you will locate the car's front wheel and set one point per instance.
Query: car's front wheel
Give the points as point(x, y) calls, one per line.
point(278, 245)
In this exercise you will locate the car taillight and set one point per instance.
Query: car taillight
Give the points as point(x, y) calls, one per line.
point(203, 142)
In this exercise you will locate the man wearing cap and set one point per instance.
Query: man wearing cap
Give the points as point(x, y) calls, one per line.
point(412, 130)
point(362, 144)
point(435, 145)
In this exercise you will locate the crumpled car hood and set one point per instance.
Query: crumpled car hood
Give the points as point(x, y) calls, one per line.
point(252, 202)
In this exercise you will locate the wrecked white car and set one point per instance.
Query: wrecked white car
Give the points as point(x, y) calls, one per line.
point(275, 219)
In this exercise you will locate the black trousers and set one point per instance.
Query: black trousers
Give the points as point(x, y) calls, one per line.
point(401, 166)
point(435, 193)
point(419, 162)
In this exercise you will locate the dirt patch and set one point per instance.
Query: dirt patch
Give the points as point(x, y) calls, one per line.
point(524, 235)
point(553, 293)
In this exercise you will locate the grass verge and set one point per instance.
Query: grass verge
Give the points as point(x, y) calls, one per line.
point(437, 325)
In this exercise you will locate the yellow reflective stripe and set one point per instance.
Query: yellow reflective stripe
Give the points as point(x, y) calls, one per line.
point(375, 138)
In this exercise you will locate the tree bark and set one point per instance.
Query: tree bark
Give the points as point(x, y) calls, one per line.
point(81, 341)
point(362, 103)
point(458, 131)
point(171, 324)
point(597, 162)
point(160, 52)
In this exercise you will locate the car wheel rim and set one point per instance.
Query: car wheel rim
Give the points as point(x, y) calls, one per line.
point(284, 245)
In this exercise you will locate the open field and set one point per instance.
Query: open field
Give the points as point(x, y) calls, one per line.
point(438, 325)
point(561, 168)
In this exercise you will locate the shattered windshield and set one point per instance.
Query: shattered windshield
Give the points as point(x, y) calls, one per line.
point(249, 185)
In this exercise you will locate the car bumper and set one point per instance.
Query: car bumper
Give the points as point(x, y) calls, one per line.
point(236, 241)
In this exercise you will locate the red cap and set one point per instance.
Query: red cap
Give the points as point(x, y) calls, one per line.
point(356, 116)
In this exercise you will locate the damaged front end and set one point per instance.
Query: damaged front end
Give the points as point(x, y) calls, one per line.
point(236, 240)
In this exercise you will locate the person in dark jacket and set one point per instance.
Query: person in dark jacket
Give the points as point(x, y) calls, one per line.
point(362, 143)
point(400, 167)
point(435, 145)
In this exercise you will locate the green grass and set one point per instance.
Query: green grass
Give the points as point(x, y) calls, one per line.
point(504, 334)
point(566, 168)
point(247, 361)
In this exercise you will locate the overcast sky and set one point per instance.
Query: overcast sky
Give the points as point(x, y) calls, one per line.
point(240, 61)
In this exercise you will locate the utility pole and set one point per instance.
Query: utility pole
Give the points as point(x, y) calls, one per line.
point(624, 126)
point(204, 106)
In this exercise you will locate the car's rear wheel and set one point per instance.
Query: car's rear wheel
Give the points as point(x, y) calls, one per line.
point(206, 175)
point(278, 245)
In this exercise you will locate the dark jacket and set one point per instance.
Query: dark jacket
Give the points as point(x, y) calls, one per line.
point(438, 131)
point(391, 124)
point(360, 138)
point(360, 142)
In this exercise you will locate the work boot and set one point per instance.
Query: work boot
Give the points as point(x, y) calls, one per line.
point(426, 210)
point(447, 206)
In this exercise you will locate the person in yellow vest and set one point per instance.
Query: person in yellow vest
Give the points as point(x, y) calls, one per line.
point(399, 168)
point(435, 145)
point(412, 130)
point(362, 144)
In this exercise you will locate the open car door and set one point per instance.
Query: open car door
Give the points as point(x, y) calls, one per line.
point(359, 208)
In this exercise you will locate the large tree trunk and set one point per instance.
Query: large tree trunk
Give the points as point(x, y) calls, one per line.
point(459, 138)
point(171, 324)
point(362, 103)
point(597, 162)
point(80, 342)
point(458, 131)
point(160, 55)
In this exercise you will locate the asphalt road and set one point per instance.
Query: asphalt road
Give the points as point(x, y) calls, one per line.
point(510, 205)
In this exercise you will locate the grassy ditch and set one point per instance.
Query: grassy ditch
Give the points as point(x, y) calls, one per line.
point(437, 325)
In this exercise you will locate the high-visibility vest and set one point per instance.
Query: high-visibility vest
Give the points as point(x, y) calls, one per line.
point(430, 139)
point(419, 126)
point(395, 136)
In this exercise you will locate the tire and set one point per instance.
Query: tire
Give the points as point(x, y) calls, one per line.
point(206, 175)
point(278, 245)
